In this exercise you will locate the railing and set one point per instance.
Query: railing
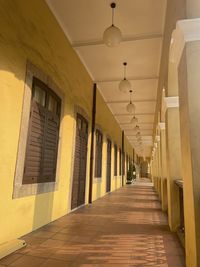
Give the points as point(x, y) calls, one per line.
point(179, 183)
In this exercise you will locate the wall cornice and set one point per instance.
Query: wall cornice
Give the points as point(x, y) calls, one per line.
point(186, 31)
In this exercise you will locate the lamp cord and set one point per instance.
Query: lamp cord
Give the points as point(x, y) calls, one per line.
point(112, 16)
point(124, 72)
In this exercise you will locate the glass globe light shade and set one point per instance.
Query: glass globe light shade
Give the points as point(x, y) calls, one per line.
point(130, 108)
point(136, 129)
point(124, 86)
point(138, 134)
point(134, 120)
point(112, 36)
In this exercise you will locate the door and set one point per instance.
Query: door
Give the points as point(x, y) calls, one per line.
point(108, 174)
point(80, 163)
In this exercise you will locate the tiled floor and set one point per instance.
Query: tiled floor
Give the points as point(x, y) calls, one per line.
point(125, 228)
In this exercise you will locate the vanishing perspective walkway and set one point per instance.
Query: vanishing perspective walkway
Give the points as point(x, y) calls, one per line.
point(124, 228)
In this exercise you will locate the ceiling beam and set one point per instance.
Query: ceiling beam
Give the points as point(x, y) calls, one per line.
point(131, 135)
point(125, 39)
point(134, 101)
point(136, 114)
point(128, 123)
point(141, 130)
point(139, 78)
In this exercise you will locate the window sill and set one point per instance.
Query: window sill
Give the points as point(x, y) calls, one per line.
point(97, 179)
point(34, 189)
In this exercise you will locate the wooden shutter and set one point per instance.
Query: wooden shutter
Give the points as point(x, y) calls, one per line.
point(98, 154)
point(80, 162)
point(83, 163)
point(127, 163)
point(123, 163)
point(115, 165)
point(33, 161)
point(120, 162)
point(108, 181)
point(43, 135)
point(50, 147)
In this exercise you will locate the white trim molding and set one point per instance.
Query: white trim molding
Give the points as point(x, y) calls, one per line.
point(172, 101)
point(157, 138)
point(186, 31)
point(161, 125)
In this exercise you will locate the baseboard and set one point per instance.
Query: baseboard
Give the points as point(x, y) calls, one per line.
point(9, 247)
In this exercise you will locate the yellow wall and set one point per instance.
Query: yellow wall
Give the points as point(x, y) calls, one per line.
point(28, 31)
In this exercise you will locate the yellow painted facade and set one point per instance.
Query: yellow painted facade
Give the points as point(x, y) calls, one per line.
point(28, 31)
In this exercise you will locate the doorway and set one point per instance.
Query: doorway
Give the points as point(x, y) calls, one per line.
point(80, 162)
point(108, 173)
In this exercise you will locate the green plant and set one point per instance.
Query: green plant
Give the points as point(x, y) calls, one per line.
point(130, 173)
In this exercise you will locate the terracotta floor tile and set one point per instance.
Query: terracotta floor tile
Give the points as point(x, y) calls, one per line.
point(28, 261)
point(51, 243)
point(11, 258)
point(55, 263)
point(66, 255)
point(42, 234)
point(123, 229)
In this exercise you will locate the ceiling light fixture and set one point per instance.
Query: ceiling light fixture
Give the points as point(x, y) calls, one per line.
point(125, 85)
point(138, 134)
point(112, 35)
point(134, 120)
point(136, 129)
point(130, 107)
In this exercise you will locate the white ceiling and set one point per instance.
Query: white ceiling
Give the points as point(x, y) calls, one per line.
point(141, 23)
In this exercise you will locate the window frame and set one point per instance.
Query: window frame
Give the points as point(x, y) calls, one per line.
point(42, 178)
point(19, 189)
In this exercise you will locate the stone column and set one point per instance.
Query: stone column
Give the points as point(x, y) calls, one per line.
point(173, 150)
point(159, 166)
point(163, 166)
point(186, 57)
point(156, 166)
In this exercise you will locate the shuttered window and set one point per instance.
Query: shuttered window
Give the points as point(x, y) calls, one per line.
point(120, 162)
point(98, 154)
point(43, 135)
point(123, 163)
point(127, 163)
point(115, 160)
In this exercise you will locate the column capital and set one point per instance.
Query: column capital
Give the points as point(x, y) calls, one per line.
point(157, 138)
point(171, 102)
point(187, 30)
point(161, 125)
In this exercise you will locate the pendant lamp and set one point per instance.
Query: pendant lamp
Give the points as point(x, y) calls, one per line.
point(125, 85)
point(130, 107)
point(134, 120)
point(112, 35)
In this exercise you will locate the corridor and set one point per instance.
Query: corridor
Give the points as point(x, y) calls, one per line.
point(124, 228)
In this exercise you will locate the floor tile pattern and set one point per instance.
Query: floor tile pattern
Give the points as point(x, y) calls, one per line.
point(123, 229)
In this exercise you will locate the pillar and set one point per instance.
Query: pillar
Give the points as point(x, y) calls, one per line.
point(173, 150)
point(186, 57)
point(163, 166)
